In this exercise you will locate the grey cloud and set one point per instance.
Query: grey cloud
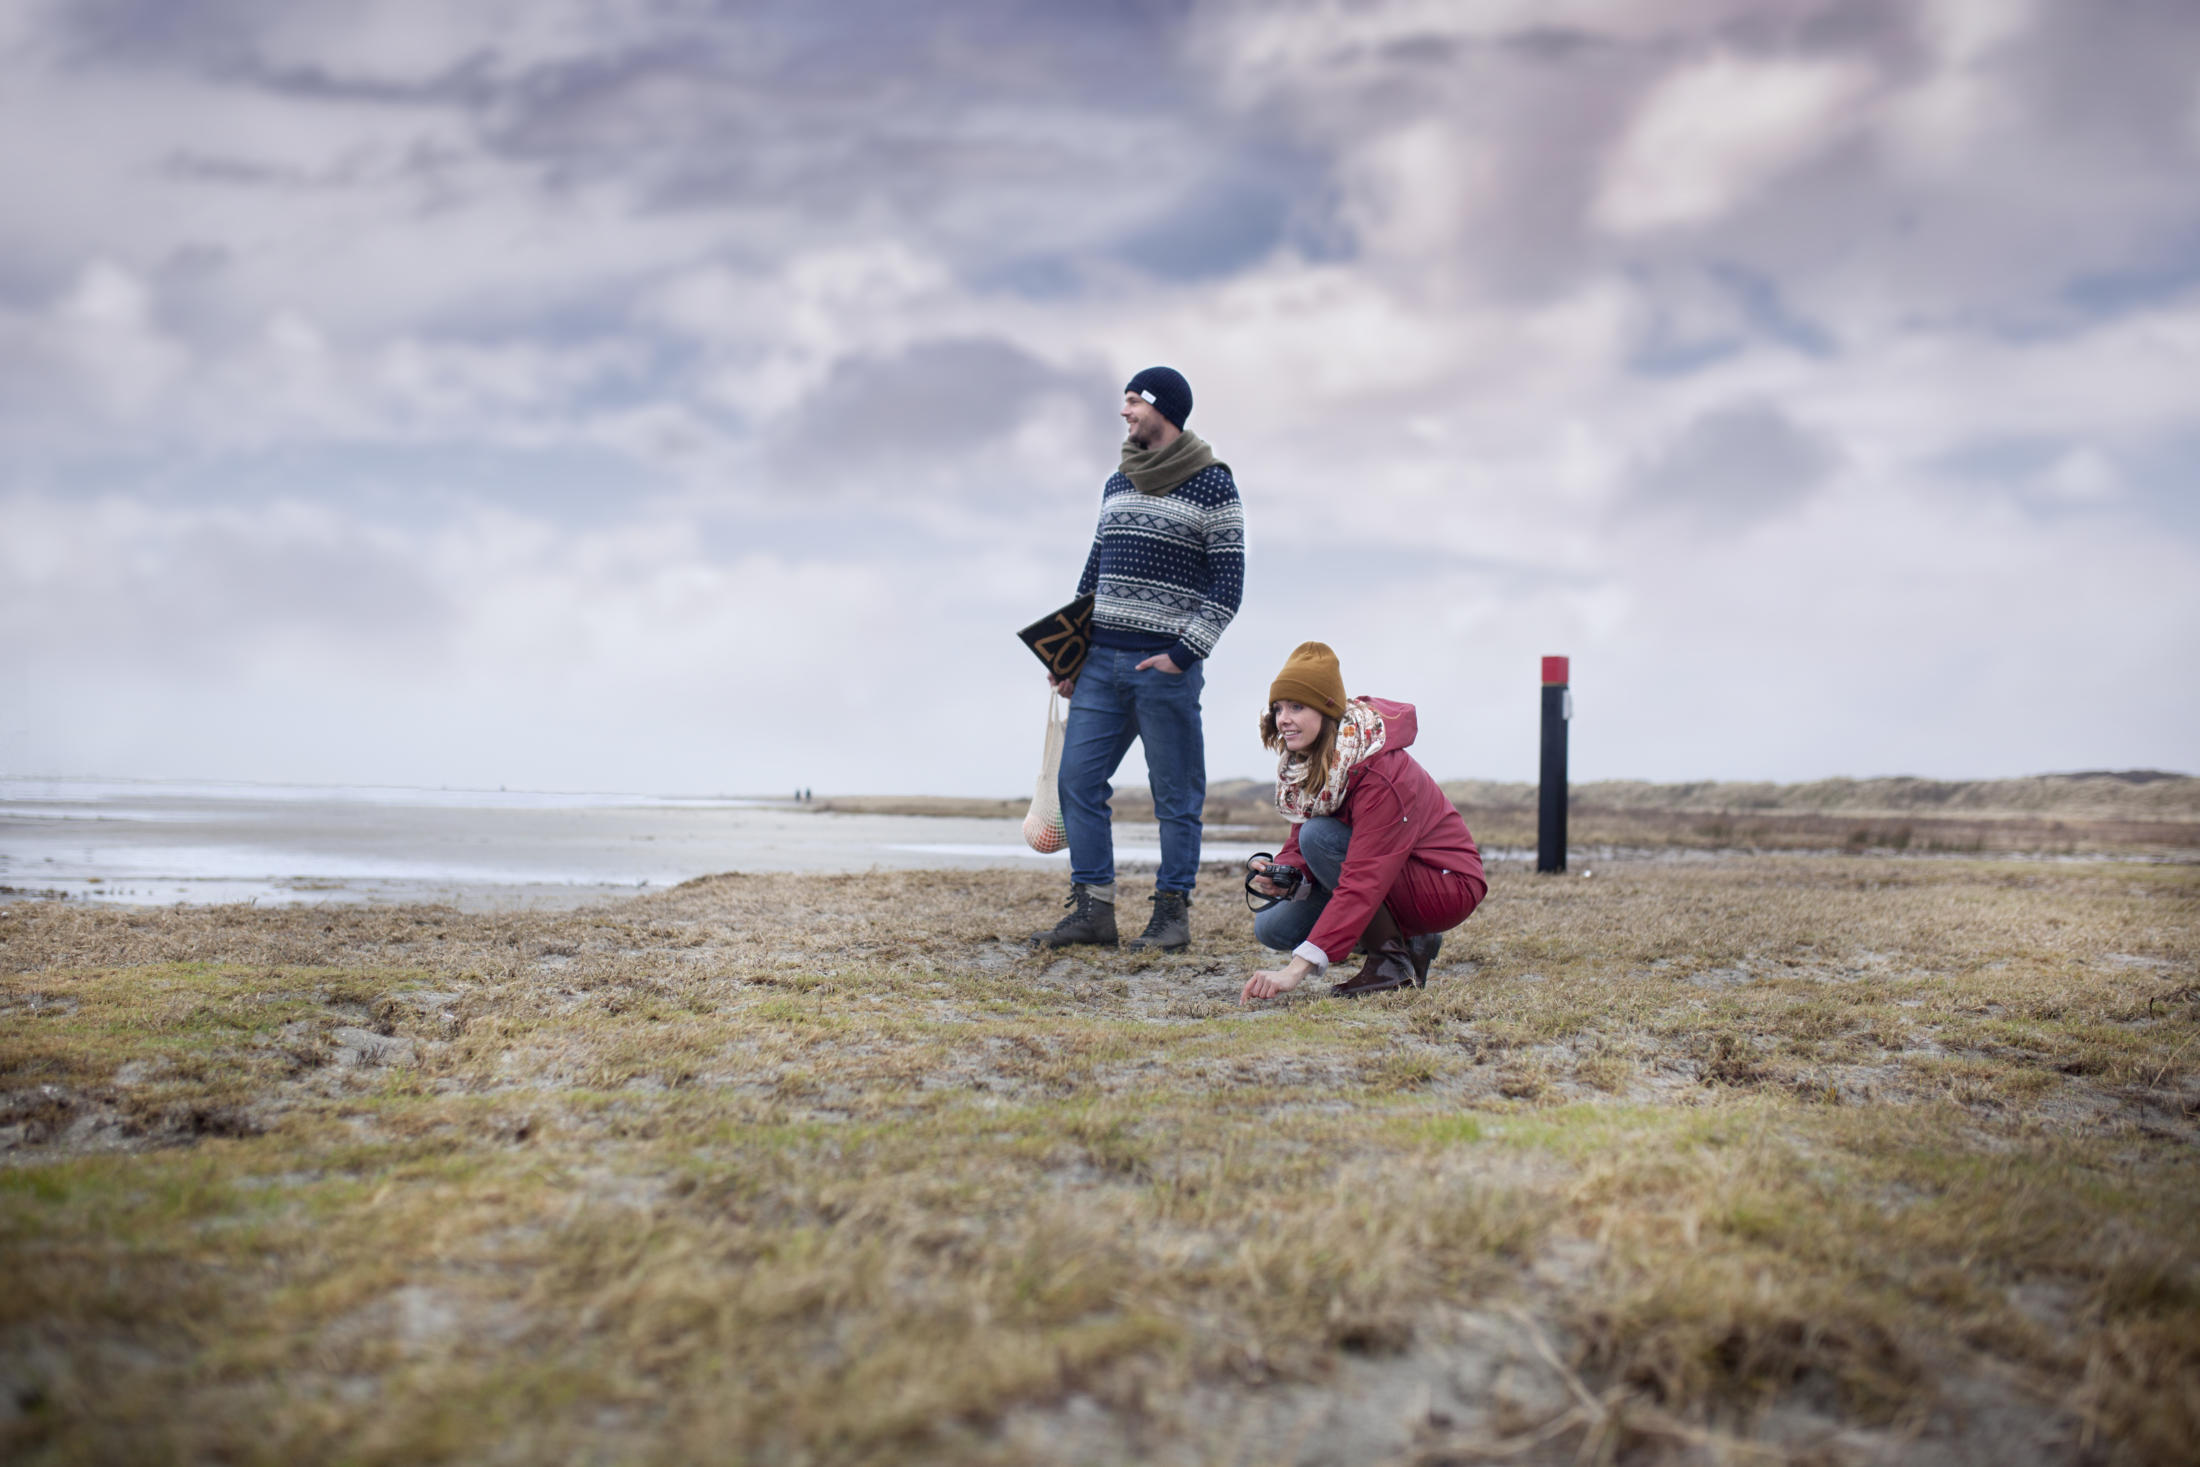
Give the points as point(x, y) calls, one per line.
point(987, 167)
point(2170, 272)
point(200, 33)
point(2003, 458)
point(412, 485)
point(1287, 562)
point(1755, 313)
point(2162, 473)
point(1551, 43)
point(2087, 155)
point(1217, 228)
point(997, 131)
point(208, 595)
point(1664, 352)
point(418, 162)
point(1767, 310)
point(2145, 477)
point(369, 593)
point(1843, 25)
point(2114, 72)
point(225, 41)
point(1043, 276)
point(876, 419)
point(1735, 467)
point(1017, 131)
point(1548, 115)
point(466, 83)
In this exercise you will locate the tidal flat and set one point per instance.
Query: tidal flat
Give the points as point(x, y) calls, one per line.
point(1742, 1158)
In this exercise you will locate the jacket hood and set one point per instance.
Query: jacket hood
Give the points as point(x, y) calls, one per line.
point(1400, 723)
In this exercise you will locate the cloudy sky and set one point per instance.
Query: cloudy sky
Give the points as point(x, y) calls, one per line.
point(688, 396)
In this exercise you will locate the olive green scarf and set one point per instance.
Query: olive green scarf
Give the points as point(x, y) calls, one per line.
point(1158, 470)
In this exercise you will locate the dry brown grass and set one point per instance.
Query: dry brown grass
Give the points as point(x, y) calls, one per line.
point(1751, 1159)
point(1599, 831)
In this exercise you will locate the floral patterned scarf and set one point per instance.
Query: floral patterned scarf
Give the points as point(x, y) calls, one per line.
point(1359, 738)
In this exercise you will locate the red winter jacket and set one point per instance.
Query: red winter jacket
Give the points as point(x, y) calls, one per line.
point(1405, 837)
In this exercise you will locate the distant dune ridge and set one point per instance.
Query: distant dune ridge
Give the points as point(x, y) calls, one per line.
point(2131, 794)
point(2091, 811)
point(2136, 794)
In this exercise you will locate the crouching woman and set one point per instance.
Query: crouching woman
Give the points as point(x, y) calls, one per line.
point(1386, 862)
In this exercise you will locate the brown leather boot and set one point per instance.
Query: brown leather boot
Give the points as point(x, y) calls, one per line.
point(1389, 961)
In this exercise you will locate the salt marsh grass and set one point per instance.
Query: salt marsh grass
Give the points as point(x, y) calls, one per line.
point(1762, 1158)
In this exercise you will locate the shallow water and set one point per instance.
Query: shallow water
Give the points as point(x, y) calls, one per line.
point(156, 843)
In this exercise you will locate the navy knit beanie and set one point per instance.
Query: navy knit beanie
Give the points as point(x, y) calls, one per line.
point(1166, 389)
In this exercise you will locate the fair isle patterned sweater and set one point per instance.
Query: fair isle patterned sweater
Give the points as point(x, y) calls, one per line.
point(1166, 570)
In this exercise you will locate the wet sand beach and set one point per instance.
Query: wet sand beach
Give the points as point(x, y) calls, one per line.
point(152, 843)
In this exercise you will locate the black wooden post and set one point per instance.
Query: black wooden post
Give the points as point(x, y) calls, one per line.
point(1550, 825)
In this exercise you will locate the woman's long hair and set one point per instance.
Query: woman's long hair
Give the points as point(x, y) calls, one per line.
point(1318, 755)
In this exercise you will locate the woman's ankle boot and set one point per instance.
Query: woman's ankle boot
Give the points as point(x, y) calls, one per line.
point(1389, 964)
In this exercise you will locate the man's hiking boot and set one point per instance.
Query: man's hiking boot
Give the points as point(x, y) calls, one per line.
point(1170, 928)
point(1390, 963)
point(1090, 920)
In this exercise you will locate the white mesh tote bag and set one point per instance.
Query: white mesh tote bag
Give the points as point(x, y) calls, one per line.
point(1043, 830)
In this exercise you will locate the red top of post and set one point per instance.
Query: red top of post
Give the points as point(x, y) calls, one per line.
point(1554, 672)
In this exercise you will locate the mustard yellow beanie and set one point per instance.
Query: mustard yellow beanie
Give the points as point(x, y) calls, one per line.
point(1310, 675)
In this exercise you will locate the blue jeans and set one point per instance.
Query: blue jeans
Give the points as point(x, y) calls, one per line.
point(1323, 841)
point(1114, 704)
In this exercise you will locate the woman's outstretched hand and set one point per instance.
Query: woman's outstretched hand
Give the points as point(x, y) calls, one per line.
point(1265, 984)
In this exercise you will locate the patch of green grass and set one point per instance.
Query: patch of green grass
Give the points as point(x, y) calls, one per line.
point(1446, 1130)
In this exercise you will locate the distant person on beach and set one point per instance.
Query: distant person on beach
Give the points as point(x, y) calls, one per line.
point(1166, 569)
point(1384, 862)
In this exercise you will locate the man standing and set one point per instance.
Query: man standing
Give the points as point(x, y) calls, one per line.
point(1166, 570)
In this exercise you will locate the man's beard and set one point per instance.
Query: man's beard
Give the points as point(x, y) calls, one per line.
point(1141, 444)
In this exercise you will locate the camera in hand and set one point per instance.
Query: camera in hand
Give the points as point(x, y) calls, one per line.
point(1285, 879)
